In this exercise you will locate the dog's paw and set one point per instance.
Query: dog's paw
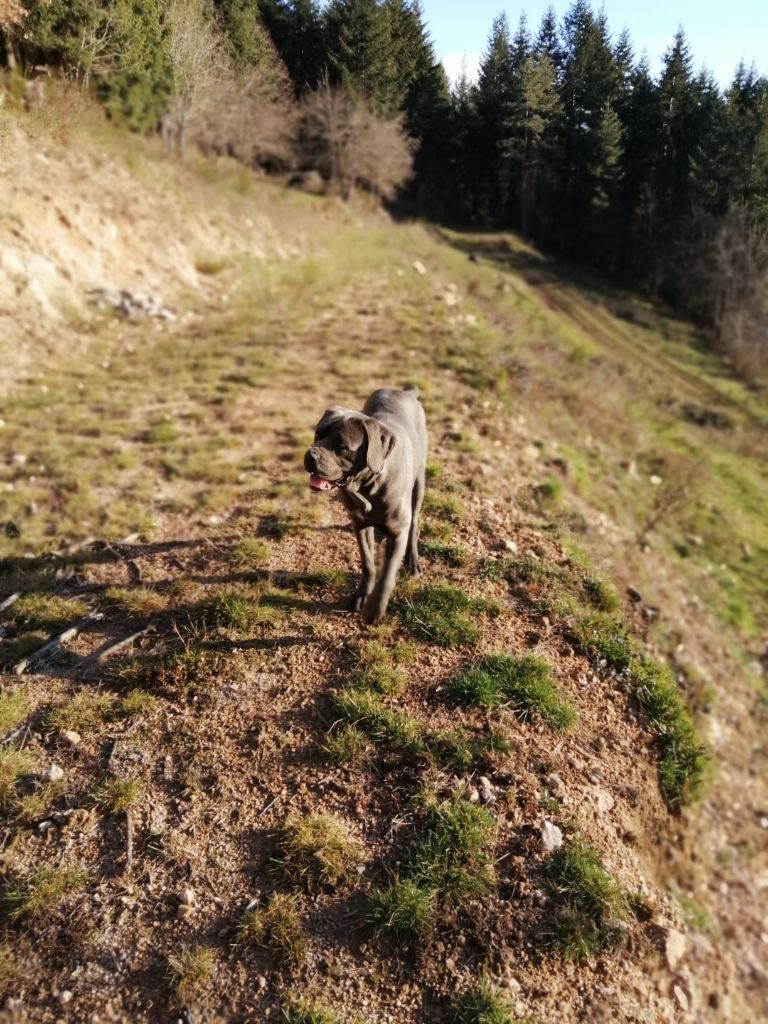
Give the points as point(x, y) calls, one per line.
point(413, 565)
point(373, 611)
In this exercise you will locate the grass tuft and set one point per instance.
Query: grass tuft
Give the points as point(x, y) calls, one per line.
point(278, 926)
point(118, 795)
point(684, 758)
point(47, 611)
point(600, 593)
point(249, 553)
point(234, 609)
point(368, 713)
point(346, 745)
point(139, 602)
point(525, 683)
point(403, 909)
point(439, 613)
point(14, 708)
point(14, 765)
point(43, 889)
point(450, 554)
point(481, 1005)
point(138, 702)
point(83, 713)
point(590, 905)
point(190, 969)
point(449, 864)
point(444, 506)
point(318, 850)
point(301, 1012)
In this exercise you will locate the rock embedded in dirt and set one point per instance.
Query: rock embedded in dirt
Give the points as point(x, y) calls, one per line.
point(71, 737)
point(486, 790)
point(555, 785)
point(187, 898)
point(675, 947)
point(53, 773)
point(511, 546)
point(419, 267)
point(551, 837)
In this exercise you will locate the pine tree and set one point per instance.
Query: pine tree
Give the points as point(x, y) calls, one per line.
point(359, 43)
point(249, 42)
point(588, 135)
point(548, 41)
point(296, 29)
point(495, 115)
point(537, 109)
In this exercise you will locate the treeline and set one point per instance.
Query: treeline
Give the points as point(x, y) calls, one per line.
point(566, 136)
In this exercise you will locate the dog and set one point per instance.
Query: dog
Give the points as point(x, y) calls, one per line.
point(376, 460)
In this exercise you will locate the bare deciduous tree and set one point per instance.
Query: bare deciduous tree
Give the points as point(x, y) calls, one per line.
point(351, 146)
point(199, 62)
point(241, 117)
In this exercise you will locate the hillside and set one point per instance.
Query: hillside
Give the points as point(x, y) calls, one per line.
point(266, 806)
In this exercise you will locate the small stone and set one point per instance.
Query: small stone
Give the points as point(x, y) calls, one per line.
point(187, 898)
point(450, 964)
point(71, 737)
point(675, 946)
point(555, 784)
point(261, 981)
point(487, 792)
point(419, 267)
point(473, 796)
point(183, 912)
point(551, 837)
point(65, 996)
point(53, 773)
point(655, 480)
point(450, 298)
point(681, 998)
point(510, 546)
point(45, 826)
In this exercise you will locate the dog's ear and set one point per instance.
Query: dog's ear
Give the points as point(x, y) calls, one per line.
point(336, 412)
point(381, 441)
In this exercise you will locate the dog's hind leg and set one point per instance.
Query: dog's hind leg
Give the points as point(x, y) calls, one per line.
point(366, 543)
point(412, 562)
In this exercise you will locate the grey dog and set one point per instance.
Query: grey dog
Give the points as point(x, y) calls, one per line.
point(376, 459)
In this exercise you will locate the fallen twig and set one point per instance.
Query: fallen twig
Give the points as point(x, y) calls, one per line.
point(128, 840)
point(55, 642)
point(9, 601)
point(100, 656)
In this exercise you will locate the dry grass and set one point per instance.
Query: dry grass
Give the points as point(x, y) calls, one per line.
point(318, 850)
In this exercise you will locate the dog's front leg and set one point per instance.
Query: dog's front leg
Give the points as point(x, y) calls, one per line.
point(366, 543)
point(376, 606)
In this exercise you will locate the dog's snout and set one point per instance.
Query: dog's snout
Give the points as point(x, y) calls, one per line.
point(310, 461)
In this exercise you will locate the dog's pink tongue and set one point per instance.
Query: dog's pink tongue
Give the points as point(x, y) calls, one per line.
point(318, 484)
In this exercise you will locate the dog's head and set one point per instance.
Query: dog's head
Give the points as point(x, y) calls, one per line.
point(346, 444)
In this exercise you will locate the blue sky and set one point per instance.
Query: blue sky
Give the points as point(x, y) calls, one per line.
point(719, 35)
